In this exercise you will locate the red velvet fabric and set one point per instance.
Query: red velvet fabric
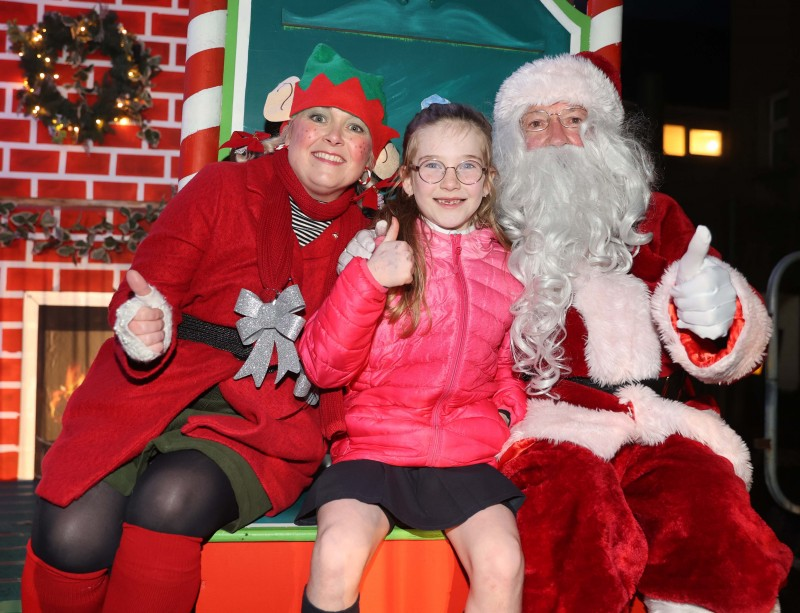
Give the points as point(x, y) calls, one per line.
point(672, 522)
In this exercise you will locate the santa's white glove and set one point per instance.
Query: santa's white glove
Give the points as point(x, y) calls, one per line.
point(704, 296)
point(361, 246)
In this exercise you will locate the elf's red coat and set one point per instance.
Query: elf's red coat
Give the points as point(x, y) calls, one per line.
point(631, 491)
point(201, 252)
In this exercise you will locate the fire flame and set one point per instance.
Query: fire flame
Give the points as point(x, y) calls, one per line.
point(59, 397)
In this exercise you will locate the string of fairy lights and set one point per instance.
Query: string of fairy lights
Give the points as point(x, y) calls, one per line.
point(86, 104)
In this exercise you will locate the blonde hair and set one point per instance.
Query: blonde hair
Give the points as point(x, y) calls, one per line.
point(408, 301)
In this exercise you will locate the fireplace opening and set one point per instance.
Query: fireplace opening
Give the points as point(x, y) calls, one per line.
point(68, 340)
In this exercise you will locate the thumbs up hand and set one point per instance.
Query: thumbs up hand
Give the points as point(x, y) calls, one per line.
point(704, 296)
point(147, 324)
point(361, 245)
point(392, 263)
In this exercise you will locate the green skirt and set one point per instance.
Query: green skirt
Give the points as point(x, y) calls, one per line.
point(251, 498)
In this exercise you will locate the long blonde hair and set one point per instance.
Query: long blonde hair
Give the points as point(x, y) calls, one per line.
point(409, 300)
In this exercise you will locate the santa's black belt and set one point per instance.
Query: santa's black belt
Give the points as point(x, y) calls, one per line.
point(219, 337)
point(668, 387)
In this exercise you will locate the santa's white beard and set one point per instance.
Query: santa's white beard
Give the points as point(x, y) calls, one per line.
point(560, 205)
point(565, 209)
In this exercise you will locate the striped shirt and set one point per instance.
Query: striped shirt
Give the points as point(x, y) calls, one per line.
point(305, 228)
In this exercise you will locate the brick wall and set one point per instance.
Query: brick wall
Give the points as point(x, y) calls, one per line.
point(35, 169)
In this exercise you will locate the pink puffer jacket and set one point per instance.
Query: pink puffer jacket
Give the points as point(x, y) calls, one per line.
point(433, 398)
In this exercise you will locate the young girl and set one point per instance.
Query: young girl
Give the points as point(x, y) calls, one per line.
point(418, 334)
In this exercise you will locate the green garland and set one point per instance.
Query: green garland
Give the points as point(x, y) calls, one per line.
point(86, 114)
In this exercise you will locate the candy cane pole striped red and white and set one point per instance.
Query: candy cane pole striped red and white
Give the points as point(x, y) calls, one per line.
point(605, 36)
point(202, 90)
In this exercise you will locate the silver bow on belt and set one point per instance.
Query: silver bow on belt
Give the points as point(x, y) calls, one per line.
point(271, 326)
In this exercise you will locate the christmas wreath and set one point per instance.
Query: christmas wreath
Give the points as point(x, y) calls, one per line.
point(76, 111)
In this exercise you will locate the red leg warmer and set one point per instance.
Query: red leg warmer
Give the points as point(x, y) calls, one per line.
point(154, 572)
point(48, 590)
point(583, 549)
point(707, 545)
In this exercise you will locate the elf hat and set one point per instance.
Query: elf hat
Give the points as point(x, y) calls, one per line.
point(586, 79)
point(331, 80)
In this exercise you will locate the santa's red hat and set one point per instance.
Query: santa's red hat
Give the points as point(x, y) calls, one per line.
point(586, 79)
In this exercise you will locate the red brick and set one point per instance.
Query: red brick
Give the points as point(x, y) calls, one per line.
point(160, 49)
point(91, 163)
point(16, 130)
point(167, 3)
point(50, 255)
point(123, 257)
point(8, 466)
point(62, 189)
point(159, 111)
point(10, 398)
point(123, 136)
point(33, 279)
point(10, 369)
point(34, 160)
point(9, 431)
point(178, 110)
point(168, 81)
point(170, 139)
point(12, 341)
point(85, 216)
point(14, 252)
point(83, 280)
point(134, 22)
point(10, 71)
point(140, 166)
point(24, 14)
point(180, 54)
point(114, 191)
point(183, 4)
point(154, 193)
point(21, 188)
point(10, 309)
point(65, 10)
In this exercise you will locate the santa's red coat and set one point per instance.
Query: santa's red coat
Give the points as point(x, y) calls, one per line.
point(630, 491)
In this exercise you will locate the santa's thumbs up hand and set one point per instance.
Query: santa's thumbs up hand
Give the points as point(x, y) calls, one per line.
point(696, 252)
point(148, 323)
point(392, 264)
point(704, 297)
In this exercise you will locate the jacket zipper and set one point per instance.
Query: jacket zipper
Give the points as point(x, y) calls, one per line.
point(455, 243)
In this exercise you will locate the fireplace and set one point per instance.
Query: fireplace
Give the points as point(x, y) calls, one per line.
point(61, 334)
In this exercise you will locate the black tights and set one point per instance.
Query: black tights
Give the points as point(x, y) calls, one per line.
point(181, 492)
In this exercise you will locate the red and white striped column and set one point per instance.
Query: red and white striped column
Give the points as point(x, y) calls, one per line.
point(202, 90)
point(605, 35)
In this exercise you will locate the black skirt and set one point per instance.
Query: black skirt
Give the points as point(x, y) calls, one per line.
point(422, 498)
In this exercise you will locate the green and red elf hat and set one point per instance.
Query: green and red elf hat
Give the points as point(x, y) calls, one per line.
point(331, 80)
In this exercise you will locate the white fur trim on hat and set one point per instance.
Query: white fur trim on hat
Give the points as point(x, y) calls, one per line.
point(562, 78)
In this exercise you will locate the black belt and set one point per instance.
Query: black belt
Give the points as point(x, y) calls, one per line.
point(668, 387)
point(219, 337)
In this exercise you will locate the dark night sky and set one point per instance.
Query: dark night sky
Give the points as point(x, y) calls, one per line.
point(685, 43)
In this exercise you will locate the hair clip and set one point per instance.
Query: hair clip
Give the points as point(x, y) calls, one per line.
point(434, 99)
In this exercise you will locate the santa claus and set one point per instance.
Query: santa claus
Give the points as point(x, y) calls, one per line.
point(633, 484)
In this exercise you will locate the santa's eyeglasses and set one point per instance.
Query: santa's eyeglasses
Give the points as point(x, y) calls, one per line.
point(433, 171)
point(536, 121)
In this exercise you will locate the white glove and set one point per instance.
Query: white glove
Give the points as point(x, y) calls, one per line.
point(704, 296)
point(361, 245)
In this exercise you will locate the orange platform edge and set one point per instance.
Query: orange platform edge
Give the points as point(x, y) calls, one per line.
point(263, 568)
